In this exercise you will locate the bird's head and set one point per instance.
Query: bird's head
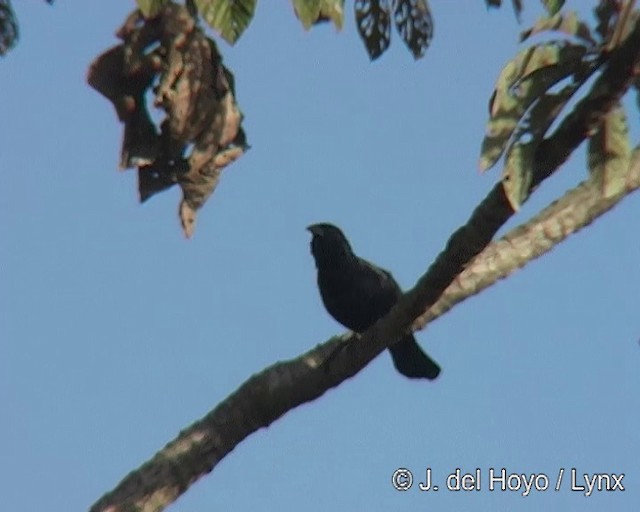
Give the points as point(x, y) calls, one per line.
point(328, 244)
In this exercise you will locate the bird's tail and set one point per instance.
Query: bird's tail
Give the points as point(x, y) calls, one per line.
point(411, 361)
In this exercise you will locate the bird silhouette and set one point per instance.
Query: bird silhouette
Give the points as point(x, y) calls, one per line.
point(357, 293)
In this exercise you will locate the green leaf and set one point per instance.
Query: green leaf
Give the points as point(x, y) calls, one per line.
point(332, 10)
point(629, 25)
point(311, 12)
point(552, 6)
point(415, 24)
point(373, 19)
point(562, 22)
point(544, 112)
point(518, 170)
point(229, 18)
point(517, 175)
point(8, 27)
point(307, 11)
point(151, 8)
point(609, 152)
point(523, 80)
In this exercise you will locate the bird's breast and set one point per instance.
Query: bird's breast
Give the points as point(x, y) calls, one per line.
point(350, 300)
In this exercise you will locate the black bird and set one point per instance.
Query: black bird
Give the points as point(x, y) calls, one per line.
point(356, 293)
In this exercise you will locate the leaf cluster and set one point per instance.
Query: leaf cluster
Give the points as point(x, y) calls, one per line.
point(201, 132)
point(536, 85)
point(412, 19)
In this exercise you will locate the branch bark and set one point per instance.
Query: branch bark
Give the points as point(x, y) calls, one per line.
point(271, 393)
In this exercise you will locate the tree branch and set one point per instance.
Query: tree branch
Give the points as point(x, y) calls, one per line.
point(562, 218)
point(268, 395)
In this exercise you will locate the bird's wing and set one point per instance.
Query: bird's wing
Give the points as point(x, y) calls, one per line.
point(383, 277)
point(379, 286)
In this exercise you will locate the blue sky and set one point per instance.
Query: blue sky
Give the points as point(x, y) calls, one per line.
point(116, 332)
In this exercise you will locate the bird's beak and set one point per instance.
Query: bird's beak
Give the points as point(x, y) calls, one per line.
point(315, 230)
